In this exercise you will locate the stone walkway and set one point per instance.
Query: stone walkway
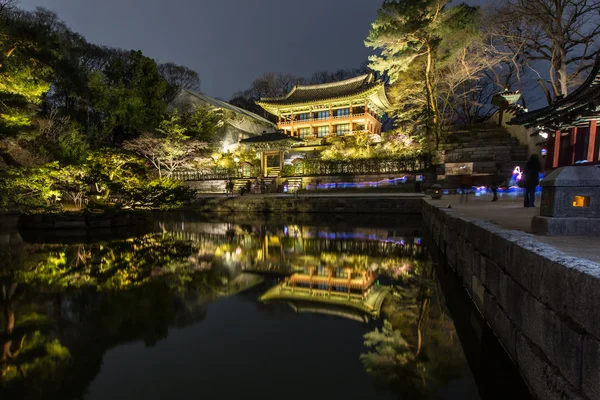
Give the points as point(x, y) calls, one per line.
point(509, 213)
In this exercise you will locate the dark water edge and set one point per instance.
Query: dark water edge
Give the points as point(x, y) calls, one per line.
point(285, 354)
point(496, 375)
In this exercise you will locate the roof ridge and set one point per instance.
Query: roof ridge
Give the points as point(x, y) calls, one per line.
point(368, 77)
point(334, 84)
point(224, 104)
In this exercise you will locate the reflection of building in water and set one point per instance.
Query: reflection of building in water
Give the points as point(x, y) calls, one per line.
point(327, 280)
point(338, 288)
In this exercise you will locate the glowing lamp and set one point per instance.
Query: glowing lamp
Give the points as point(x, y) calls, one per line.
point(436, 191)
point(581, 201)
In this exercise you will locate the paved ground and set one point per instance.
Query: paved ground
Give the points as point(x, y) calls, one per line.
point(325, 193)
point(509, 213)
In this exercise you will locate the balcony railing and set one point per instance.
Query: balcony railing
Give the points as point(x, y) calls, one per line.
point(309, 120)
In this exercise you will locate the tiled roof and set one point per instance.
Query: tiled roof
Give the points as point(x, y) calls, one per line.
point(581, 102)
point(310, 93)
point(224, 105)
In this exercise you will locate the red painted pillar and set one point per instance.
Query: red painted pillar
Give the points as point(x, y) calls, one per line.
point(592, 141)
point(573, 132)
point(556, 155)
point(549, 152)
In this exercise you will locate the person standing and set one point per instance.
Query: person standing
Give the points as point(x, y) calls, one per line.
point(496, 182)
point(531, 176)
point(230, 187)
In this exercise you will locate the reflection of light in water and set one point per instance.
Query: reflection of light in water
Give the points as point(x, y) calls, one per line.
point(238, 251)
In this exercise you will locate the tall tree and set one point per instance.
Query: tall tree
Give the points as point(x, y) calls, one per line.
point(129, 93)
point(428, 39)
point(178, 77)
point(562, 34)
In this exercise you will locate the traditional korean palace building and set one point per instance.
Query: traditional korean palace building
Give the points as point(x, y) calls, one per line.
point(311, 117)
point(568, 127)
point(330, 109)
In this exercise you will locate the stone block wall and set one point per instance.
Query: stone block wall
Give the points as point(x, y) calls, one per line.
point(541, 303)
point(308, 204)
point(211, 186)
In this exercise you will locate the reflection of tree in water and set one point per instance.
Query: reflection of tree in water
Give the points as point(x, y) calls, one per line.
point(416, 328)
point(65, 306)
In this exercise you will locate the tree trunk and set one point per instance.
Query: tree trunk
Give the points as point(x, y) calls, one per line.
point(431, 94)
point(545, 90)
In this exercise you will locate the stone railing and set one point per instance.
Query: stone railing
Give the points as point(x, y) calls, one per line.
point(541, 304)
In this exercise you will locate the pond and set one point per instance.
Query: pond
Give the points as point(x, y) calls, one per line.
point(231, 307)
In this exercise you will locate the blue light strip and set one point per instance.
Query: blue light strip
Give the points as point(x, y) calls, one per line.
point(348, 185)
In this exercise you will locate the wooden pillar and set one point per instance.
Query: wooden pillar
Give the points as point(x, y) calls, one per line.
point(351, 129)
point(573, 133)
point(281, 154)
point(330, 120)
point(329, 281)
point(592, 142)
point(292, 119)
point(367, 116)
point(310, 280)
point(310, 122)
point(556, 154)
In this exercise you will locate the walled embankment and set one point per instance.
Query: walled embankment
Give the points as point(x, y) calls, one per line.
point(312, 204)
point(219, 185)
point(542, 304)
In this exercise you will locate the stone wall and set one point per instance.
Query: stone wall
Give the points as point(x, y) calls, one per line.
point(541, 303)
point(211, 186)
point(219, 185)
point(307, 204)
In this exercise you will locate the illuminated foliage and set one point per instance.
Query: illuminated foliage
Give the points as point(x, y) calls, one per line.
point(129, 93)
point(423, 42)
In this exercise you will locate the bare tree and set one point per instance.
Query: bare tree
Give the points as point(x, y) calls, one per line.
point(178, 77)
point(561, 33)
point(7, 6)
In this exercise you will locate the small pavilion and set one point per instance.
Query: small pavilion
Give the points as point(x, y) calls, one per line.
point(569, 124)
point(272, 148)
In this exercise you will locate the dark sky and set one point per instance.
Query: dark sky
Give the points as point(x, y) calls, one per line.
point(229, 42)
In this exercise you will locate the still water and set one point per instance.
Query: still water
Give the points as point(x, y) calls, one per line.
point(241, 308)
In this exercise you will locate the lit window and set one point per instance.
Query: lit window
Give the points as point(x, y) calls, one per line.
point(581, 201)
point(304, 132)
point(322, 131)
point(323, 114)
point(304, 116)
point(342, 129)
point(343, 112)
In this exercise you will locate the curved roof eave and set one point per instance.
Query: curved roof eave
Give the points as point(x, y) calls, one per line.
point(273, 107)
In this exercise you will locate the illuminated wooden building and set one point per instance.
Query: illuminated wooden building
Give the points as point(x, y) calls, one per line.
point(330, 109)
point(324, 280)
point(568, 126)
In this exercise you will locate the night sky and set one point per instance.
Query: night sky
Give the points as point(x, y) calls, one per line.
point(229, 42)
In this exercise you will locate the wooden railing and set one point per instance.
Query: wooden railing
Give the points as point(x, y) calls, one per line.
point(365, 167)
point(337, 118)
point(215, 174)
